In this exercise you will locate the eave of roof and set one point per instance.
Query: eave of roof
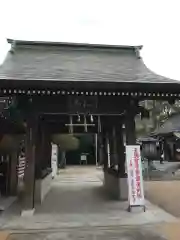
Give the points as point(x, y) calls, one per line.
point(72, 44)
point(98, 67)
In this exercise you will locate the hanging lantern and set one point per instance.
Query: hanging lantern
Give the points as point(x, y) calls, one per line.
point(79, 118)
point(91, 119)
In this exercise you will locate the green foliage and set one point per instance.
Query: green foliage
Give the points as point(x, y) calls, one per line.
point(159, 113)
point(66, 142)
point(10, 143)
point(85, 141)
point(15, 115)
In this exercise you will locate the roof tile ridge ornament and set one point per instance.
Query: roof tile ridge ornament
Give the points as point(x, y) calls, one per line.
point(137, 52)
point(13, 46)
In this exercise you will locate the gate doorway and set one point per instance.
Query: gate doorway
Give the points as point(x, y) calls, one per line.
point(84, 154)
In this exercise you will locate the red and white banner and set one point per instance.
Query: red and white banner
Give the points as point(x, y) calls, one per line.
point(135, 179)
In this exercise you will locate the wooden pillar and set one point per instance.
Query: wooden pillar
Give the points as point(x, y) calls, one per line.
point(103, 137)
point(115, 183)
point(39, 153)
point(13, 173)
point(109, 141)
point(29, 178)
point(120, 149)
point(166, 151)
point(96, 148)
point(100, 148)
point(46, 149)
point(43, 149)
point(105, 152)
point(49, 151)
point(130, 125)
point(113, 145)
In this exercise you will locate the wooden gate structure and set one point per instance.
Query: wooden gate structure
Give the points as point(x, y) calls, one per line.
point(67, 88)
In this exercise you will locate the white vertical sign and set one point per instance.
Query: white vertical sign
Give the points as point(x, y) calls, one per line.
point(135, 179)
point(108, 153)
point(54, 160)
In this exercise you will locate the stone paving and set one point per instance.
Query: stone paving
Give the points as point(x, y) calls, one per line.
point(77, 208)
point(167, 171)
point(93, 234)
point(167, 166)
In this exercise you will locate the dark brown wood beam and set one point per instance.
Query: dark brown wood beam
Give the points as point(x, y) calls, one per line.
point(120, 149)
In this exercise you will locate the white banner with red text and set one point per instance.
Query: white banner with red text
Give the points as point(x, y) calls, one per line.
point(135, 179)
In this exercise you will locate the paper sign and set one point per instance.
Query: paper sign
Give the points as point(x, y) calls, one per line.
point(54, 160)
point(135, 179)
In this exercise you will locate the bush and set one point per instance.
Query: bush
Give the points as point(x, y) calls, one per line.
point(66, 142)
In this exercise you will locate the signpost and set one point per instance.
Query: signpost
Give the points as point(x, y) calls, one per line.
point(135, 179)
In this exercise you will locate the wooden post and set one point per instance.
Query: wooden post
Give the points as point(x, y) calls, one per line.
point(100, 149)
point(29, 178)
point(103, 137)
point(96, 149)
point(39, 153)
point(113, 145)
point(13, 173)
point(120, 150)
point(46, 149)
point(105, 153)
point(130, 125)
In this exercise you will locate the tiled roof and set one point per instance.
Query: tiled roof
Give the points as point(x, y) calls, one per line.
point(71, 62)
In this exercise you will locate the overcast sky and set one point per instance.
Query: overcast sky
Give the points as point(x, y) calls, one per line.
point(152, 23)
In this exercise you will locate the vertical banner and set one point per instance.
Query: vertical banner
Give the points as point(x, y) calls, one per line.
point(135, 179)
point(108, 153)
point(54, 160)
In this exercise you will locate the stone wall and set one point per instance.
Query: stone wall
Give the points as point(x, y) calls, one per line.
point(42, 187)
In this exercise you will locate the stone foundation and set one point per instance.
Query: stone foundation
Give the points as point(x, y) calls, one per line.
point(115, 187)
point(42, 187)
point(27, 213)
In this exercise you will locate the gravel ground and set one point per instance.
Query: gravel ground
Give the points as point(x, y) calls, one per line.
point(165, 194)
